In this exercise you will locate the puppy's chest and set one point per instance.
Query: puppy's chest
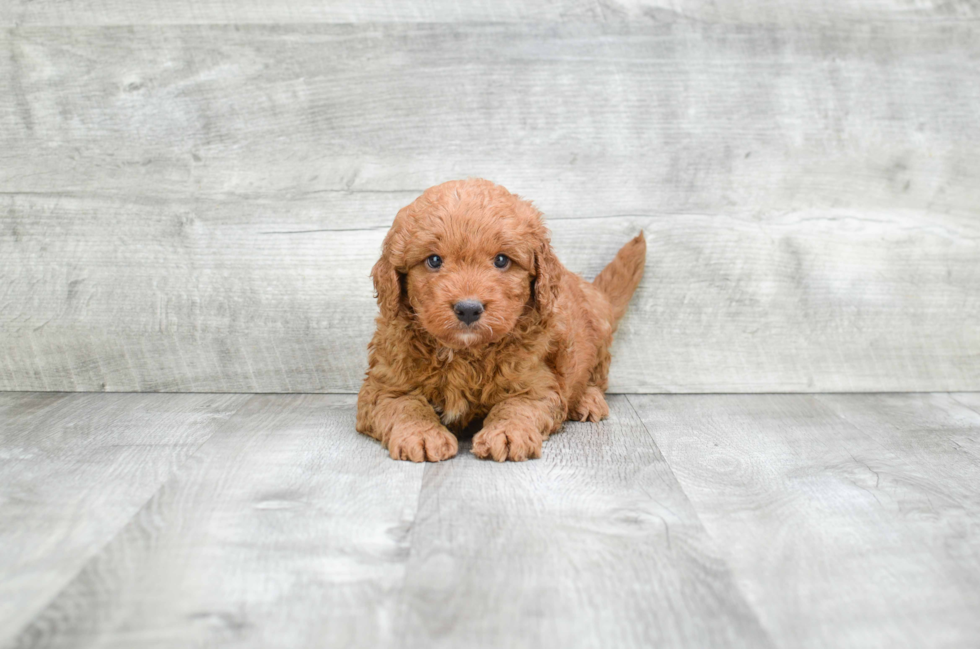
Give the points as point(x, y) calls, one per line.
point(462, 391)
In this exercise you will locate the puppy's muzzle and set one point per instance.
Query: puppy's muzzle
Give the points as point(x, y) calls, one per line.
point(468, 311)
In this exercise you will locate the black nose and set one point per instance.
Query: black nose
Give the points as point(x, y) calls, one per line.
point(468, 310)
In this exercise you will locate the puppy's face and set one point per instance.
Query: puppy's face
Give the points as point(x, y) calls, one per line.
point(464, 255)
point(468, 284)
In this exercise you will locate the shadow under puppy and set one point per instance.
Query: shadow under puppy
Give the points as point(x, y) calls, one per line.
point(479, 319)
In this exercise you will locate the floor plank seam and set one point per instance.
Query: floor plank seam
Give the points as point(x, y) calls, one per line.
point(952, 395)
point(401, 603)
point(857, 428)
point(111, 538)
point(734, 581)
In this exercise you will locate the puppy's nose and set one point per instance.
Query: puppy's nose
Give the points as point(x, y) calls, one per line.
point(468, 311)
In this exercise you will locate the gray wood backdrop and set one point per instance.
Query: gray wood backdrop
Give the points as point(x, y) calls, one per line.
point(192, 192)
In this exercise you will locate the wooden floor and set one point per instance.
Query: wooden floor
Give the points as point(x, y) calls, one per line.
point(197, 520)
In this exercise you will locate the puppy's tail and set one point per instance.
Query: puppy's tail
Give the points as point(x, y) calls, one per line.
point(620, 278)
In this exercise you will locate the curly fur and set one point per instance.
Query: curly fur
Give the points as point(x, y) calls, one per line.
point(537, 356)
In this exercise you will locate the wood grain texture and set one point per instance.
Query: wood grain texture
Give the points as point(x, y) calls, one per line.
point(286, 529)
point(212, 296)
point(970, 400)
point(592, 545)
point(939, 432)
point(769, 520)
point(196, 208)
point(73, 470)
point(586, 119)
point(849, 521)
point(141, 12)
point(183, 12)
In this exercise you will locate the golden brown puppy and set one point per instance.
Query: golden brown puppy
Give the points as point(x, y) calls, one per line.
point(479, 319)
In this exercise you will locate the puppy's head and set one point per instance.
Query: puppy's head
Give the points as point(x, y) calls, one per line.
point(467, 259)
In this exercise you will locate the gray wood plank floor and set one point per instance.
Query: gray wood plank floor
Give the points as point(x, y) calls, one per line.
point(681, 521)
point(74, 470)
point(847, 522)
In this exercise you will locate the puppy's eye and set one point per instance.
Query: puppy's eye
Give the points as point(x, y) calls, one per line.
point(433, 261)
point(501, 261)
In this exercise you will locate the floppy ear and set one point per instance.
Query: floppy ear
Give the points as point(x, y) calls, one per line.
point(387, 284)
point(547, 279)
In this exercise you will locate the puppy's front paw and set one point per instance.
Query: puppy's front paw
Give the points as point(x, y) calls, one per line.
point(508, 441)
point(592, 406)
point(422, 442)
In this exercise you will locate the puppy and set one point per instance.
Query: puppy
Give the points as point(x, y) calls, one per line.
point(479, 320)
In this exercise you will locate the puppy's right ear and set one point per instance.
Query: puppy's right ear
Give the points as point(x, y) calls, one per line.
point(387, 284)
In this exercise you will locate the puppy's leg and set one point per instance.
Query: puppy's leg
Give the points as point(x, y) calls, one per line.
point(405, 424)
point(515, 428)
point(591, 405)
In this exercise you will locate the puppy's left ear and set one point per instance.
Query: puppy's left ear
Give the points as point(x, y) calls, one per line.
point(547, 278)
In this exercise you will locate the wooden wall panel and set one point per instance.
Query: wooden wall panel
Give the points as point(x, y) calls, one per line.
point(196, 208)
point(587, 120)
point(182, 12)
point(209, 297)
